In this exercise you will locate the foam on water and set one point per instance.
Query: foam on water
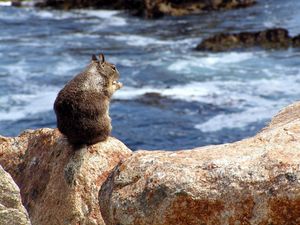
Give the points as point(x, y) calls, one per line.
point(103, 14)
point(253, 99)
point(5, 4)
point(210, 61)
point(191, 92)
point(66, 66)
point(27, 104)
point(238, 120)
point(53, 14)
point(107, 18)
point(257, 106)
point(138, 40)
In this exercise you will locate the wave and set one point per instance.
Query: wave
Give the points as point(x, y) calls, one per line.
point(249, 101)
point(107, 18)
point(210, 61)
point(5, 4)
point(27, 104)
point(138, 40)
point(190, 92)
point(241, 119)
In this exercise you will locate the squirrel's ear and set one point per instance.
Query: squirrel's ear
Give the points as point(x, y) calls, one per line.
point(101, 58)
point(94, 58)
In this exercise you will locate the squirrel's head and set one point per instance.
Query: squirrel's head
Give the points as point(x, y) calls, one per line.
point(108, 71)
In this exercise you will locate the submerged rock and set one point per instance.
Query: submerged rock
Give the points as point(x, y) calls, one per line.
point(253, 181)
point(269, 39)
point(151, 8)
point(12, 212)
point(59, 185)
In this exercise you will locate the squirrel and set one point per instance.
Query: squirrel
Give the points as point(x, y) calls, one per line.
point(82, 106)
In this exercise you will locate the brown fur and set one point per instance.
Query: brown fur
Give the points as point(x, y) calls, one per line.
point(82, 106)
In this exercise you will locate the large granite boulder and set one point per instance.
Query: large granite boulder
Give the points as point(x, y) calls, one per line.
point(277, 38)
point(150, 8)
point(12, 212)
point(253, 181)
point(59, 185)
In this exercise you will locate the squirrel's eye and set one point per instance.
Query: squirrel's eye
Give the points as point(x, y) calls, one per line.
point(113, 67)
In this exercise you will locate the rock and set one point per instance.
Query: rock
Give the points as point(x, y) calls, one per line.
point(276, 38)
point(59, 185)
point(296, 41)
point(158, 8)
point(151, 8)
point(253, 181)
point(12, 212)
point(135, 6)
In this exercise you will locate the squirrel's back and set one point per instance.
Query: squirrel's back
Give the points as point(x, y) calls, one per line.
point(82, 106)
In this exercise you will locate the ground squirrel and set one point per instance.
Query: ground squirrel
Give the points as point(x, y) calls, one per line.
point(82, 106)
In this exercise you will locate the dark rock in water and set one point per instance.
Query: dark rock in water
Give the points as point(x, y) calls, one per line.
point(133, 5)
point(273, 38)
point(150, 8)
point(159, 8)
point(296, 41)
point(276, 38)
point(153, 99)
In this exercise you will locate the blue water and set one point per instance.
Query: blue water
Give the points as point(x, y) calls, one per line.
point(195, 98)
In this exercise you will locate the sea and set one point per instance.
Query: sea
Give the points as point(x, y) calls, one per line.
point(173, 96)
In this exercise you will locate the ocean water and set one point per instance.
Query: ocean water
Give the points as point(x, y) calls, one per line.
point(173, 97)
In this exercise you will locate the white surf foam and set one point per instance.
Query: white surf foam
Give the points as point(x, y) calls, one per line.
point(5, 3)
point(257, 106)
point(191, 92)
point(107, 18)
point(253, 100)
point(210, 61)
point(28, 104)
point(239, 120)
point(66, 66)
point(55, 14)
point(141, 41)
point(138, 40)
point(104, 14)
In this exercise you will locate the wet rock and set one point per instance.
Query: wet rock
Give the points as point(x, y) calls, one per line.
point(154, 99)
point(154, 9)
point(151, 8)
point(12, 212)
point(135, 6)
point(276, 38)
point(296, 41)
point(253, 181)
point(59, 185)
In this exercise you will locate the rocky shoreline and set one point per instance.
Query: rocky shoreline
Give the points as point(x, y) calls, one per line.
point(145, 8)
point(253, 181)
point(276, 38)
